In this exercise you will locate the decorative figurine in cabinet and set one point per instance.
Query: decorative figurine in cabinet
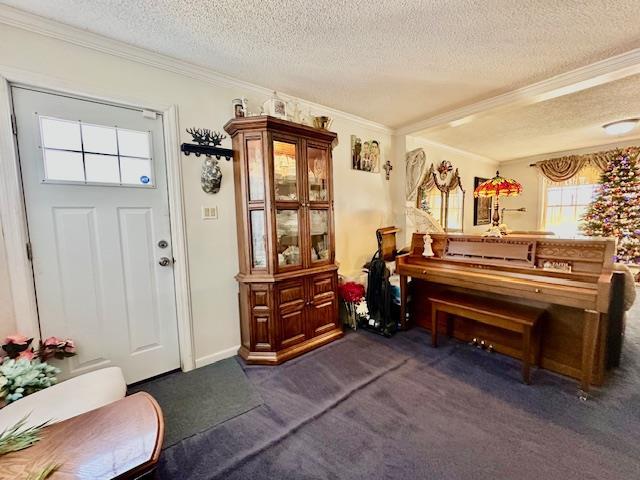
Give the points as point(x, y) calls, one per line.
point(284, 203)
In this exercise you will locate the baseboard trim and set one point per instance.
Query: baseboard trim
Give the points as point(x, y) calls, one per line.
point(216, 357)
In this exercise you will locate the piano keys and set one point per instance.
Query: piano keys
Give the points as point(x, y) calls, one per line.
point(572, 279)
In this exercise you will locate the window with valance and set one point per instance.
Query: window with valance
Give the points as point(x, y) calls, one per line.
point(441, 194)
point(569, 186)
point(566, 202)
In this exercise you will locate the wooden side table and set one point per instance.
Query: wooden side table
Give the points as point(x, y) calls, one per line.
point(120, 440)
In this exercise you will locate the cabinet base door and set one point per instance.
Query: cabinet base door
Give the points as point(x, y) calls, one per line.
point(323, 313)
point(291, 298)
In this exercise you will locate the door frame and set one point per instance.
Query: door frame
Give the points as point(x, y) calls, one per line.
point(13, 213)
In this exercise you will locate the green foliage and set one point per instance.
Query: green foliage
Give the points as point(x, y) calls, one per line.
point(23, 377)
point(17, 437)
point(45, 473)
point(615, 210)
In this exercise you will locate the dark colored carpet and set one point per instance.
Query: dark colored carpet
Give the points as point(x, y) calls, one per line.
point(367, 407)
point(198, 400)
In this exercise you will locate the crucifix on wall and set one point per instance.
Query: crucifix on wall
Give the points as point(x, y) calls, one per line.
point(387, 169)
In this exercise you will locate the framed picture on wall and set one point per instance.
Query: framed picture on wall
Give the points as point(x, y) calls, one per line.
point(365, 155)
point(481, 205)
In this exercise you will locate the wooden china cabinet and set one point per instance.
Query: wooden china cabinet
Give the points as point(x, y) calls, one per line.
point(284, 203)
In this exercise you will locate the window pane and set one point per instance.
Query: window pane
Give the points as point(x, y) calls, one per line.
point(569, 195)
point(552, 217)
point(284, 164)
point(554, 196)
point(99, 139)
point(567, 215)
point(580, 211)
point(256, 172)
point(59, 165)
point(61, 134)
point(319, 235)
point(287, 230)
point(101, 168)
point(136, 171)
point(585, 194)
point(435, 202)
point(133, 144)
point(454, 218)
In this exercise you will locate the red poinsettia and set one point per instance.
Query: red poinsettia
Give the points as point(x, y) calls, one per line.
point(351, 292)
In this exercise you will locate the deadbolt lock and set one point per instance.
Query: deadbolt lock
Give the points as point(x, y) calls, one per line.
point(163, 244)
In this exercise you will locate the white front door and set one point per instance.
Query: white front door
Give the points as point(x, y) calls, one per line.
point(95, 187)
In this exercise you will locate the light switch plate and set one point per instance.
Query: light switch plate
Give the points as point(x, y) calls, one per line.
point(209, 213)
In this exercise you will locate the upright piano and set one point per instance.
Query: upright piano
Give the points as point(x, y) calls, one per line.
point(572, 279)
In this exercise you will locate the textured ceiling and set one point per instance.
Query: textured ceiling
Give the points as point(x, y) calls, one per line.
point(390, 61)
point(564, 123)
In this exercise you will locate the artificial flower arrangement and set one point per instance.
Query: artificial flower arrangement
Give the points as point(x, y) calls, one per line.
point(24, 370)
point(352, 294)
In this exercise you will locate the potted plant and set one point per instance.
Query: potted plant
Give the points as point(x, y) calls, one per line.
point(24, 370)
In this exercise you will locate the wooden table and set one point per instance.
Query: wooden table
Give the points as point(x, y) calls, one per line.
point(120, 440)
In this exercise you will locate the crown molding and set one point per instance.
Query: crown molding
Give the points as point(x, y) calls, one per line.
point(83, 38)
point(627, 142)
point(459, 151)
point(598, 73)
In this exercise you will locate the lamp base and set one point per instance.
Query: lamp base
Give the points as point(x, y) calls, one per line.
point(496, 213)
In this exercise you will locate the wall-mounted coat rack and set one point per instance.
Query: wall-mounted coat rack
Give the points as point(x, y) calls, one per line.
point(206, 143)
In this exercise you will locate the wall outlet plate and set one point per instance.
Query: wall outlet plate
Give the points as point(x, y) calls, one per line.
point(209, 213)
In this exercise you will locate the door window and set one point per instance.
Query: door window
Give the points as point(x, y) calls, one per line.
point(77, 152)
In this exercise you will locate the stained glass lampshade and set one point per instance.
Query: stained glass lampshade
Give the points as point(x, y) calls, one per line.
point(498, 187)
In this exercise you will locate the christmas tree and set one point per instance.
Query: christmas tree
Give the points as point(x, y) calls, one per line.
point(615, 209)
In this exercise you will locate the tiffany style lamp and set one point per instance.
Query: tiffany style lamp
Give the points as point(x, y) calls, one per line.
point(498, 187)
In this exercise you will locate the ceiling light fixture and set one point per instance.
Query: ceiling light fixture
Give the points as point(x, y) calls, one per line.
point(620, 127)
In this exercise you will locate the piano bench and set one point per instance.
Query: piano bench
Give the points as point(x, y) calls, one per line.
point(514, 317)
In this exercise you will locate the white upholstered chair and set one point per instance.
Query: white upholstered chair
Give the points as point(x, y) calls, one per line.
point(67, 399)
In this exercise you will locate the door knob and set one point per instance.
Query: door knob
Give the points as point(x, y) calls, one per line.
point(165, 261)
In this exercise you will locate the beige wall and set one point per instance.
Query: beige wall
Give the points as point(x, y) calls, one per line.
point(468, 165)
point(362, 200)
point(530, 197)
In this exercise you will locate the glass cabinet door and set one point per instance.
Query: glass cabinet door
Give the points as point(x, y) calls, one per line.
point(318, 174)
point(256, 169)
point(319, 234)
point(288, 238)
point(258, 239)
point(318, 205)
point(285, 171)
point(256, 204)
